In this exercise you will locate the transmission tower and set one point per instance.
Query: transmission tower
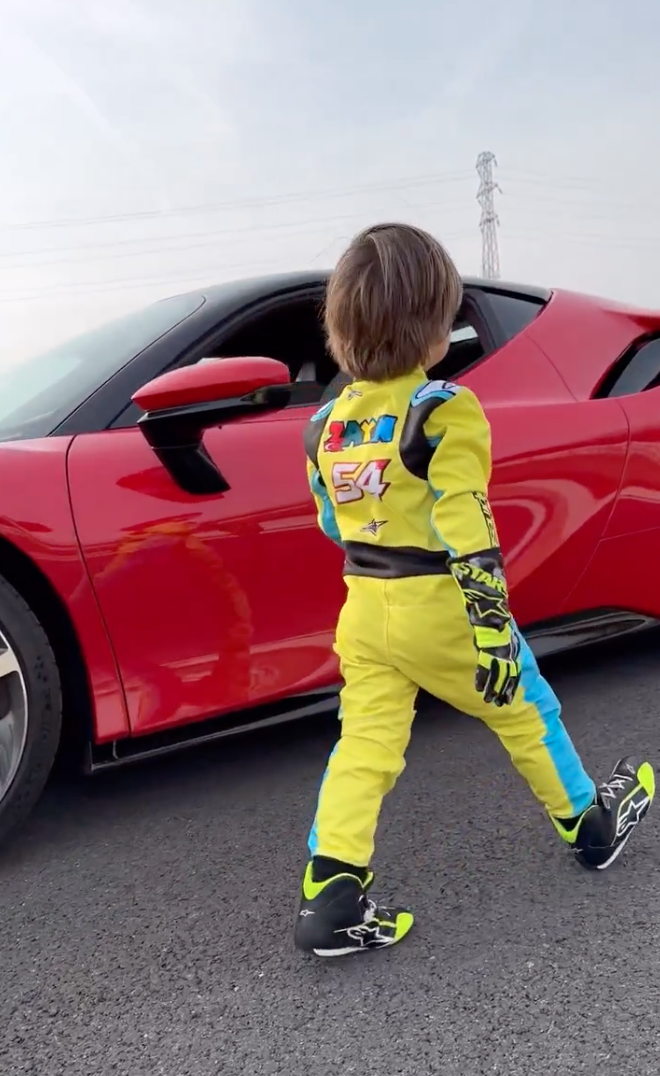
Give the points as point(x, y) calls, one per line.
point(490, 255)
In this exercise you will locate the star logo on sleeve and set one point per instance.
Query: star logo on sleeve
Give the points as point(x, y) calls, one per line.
point(374, 526)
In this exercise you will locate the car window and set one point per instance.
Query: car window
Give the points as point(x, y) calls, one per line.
point(42, 391)
point(513, 312)
point(635, 372)
point(464, 332)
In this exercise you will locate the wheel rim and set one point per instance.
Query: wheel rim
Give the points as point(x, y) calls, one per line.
point(13, 714)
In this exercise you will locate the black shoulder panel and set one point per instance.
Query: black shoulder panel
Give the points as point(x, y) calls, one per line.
point(415, 448)
point(313, 432)
point(336, 387)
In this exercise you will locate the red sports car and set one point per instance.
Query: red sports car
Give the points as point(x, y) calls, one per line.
point(162, 578)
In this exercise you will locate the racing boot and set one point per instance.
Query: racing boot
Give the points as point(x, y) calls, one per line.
point(600, 834)
point(337, 918)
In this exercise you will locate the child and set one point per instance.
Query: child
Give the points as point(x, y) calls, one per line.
point(399, 467)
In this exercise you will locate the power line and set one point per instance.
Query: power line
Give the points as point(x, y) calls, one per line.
point(209, 238)
point(92, 287)
point(129, 248)
point(588, 239)
point(490, 255)
point(519, 175)
point(600, 181)
point(535, 188)
point(245, 203)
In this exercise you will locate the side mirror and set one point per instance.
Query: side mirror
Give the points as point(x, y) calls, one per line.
point(180, 405)
point(210, 381)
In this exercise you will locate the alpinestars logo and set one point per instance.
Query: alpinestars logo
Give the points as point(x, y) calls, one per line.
point(632, 813)
point(374, 526)
point(368, 935)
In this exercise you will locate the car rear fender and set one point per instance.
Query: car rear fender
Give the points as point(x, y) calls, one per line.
point(557, 468)
point(583, 337)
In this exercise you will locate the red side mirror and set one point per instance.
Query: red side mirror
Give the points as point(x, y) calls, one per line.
point(206, 382)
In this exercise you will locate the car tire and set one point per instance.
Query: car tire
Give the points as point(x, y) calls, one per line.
point(29, 681)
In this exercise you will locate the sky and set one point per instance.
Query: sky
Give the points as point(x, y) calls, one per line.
point(151, 146)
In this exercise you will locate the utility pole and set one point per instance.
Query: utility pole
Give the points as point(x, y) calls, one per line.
point(490, 255)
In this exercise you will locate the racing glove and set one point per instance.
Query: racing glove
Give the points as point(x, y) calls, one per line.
point(480, 578)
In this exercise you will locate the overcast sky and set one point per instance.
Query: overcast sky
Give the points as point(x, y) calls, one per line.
point(149, 145)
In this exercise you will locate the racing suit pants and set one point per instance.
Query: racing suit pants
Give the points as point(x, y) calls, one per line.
point(393, 637)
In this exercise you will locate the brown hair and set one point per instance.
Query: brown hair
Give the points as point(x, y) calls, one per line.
point(393, 295)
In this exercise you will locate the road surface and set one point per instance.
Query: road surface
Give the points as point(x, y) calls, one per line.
point(146, 915)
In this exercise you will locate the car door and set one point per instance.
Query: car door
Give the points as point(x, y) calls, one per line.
point(626, 571)
point(212, 603)
point(557, 467)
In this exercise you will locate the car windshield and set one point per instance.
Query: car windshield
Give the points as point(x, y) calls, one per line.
point(38, 394)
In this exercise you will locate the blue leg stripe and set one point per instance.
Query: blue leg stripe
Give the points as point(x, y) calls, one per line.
point(312, 840)
point(580, 789)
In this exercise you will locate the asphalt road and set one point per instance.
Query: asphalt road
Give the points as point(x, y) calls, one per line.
point(145, 916)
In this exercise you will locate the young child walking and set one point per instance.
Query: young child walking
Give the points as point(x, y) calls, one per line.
point(399, 468)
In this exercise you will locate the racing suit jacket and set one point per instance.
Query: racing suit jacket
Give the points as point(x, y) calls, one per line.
point(399, 471)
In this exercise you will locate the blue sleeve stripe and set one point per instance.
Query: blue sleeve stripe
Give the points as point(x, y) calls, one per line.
point(323, 412)
point(327, 518)
point(437, 493)
point(434, 390)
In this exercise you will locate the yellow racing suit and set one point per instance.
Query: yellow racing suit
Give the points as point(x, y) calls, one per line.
point(399, 471)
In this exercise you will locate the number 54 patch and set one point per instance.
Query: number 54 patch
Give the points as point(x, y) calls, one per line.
point(351, 481)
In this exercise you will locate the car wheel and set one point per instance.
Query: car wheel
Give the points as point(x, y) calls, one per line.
point(30, 709)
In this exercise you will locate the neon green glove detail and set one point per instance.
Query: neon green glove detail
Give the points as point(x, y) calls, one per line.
point(483, 588)
point(498, 668)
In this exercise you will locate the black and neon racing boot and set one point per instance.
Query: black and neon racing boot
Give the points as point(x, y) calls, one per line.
point(600, 834)
point(337, 918)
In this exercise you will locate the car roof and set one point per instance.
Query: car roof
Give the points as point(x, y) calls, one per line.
point(243, 288)
point(217, 301)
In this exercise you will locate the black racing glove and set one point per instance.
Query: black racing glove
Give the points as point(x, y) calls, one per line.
point(480, 577)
